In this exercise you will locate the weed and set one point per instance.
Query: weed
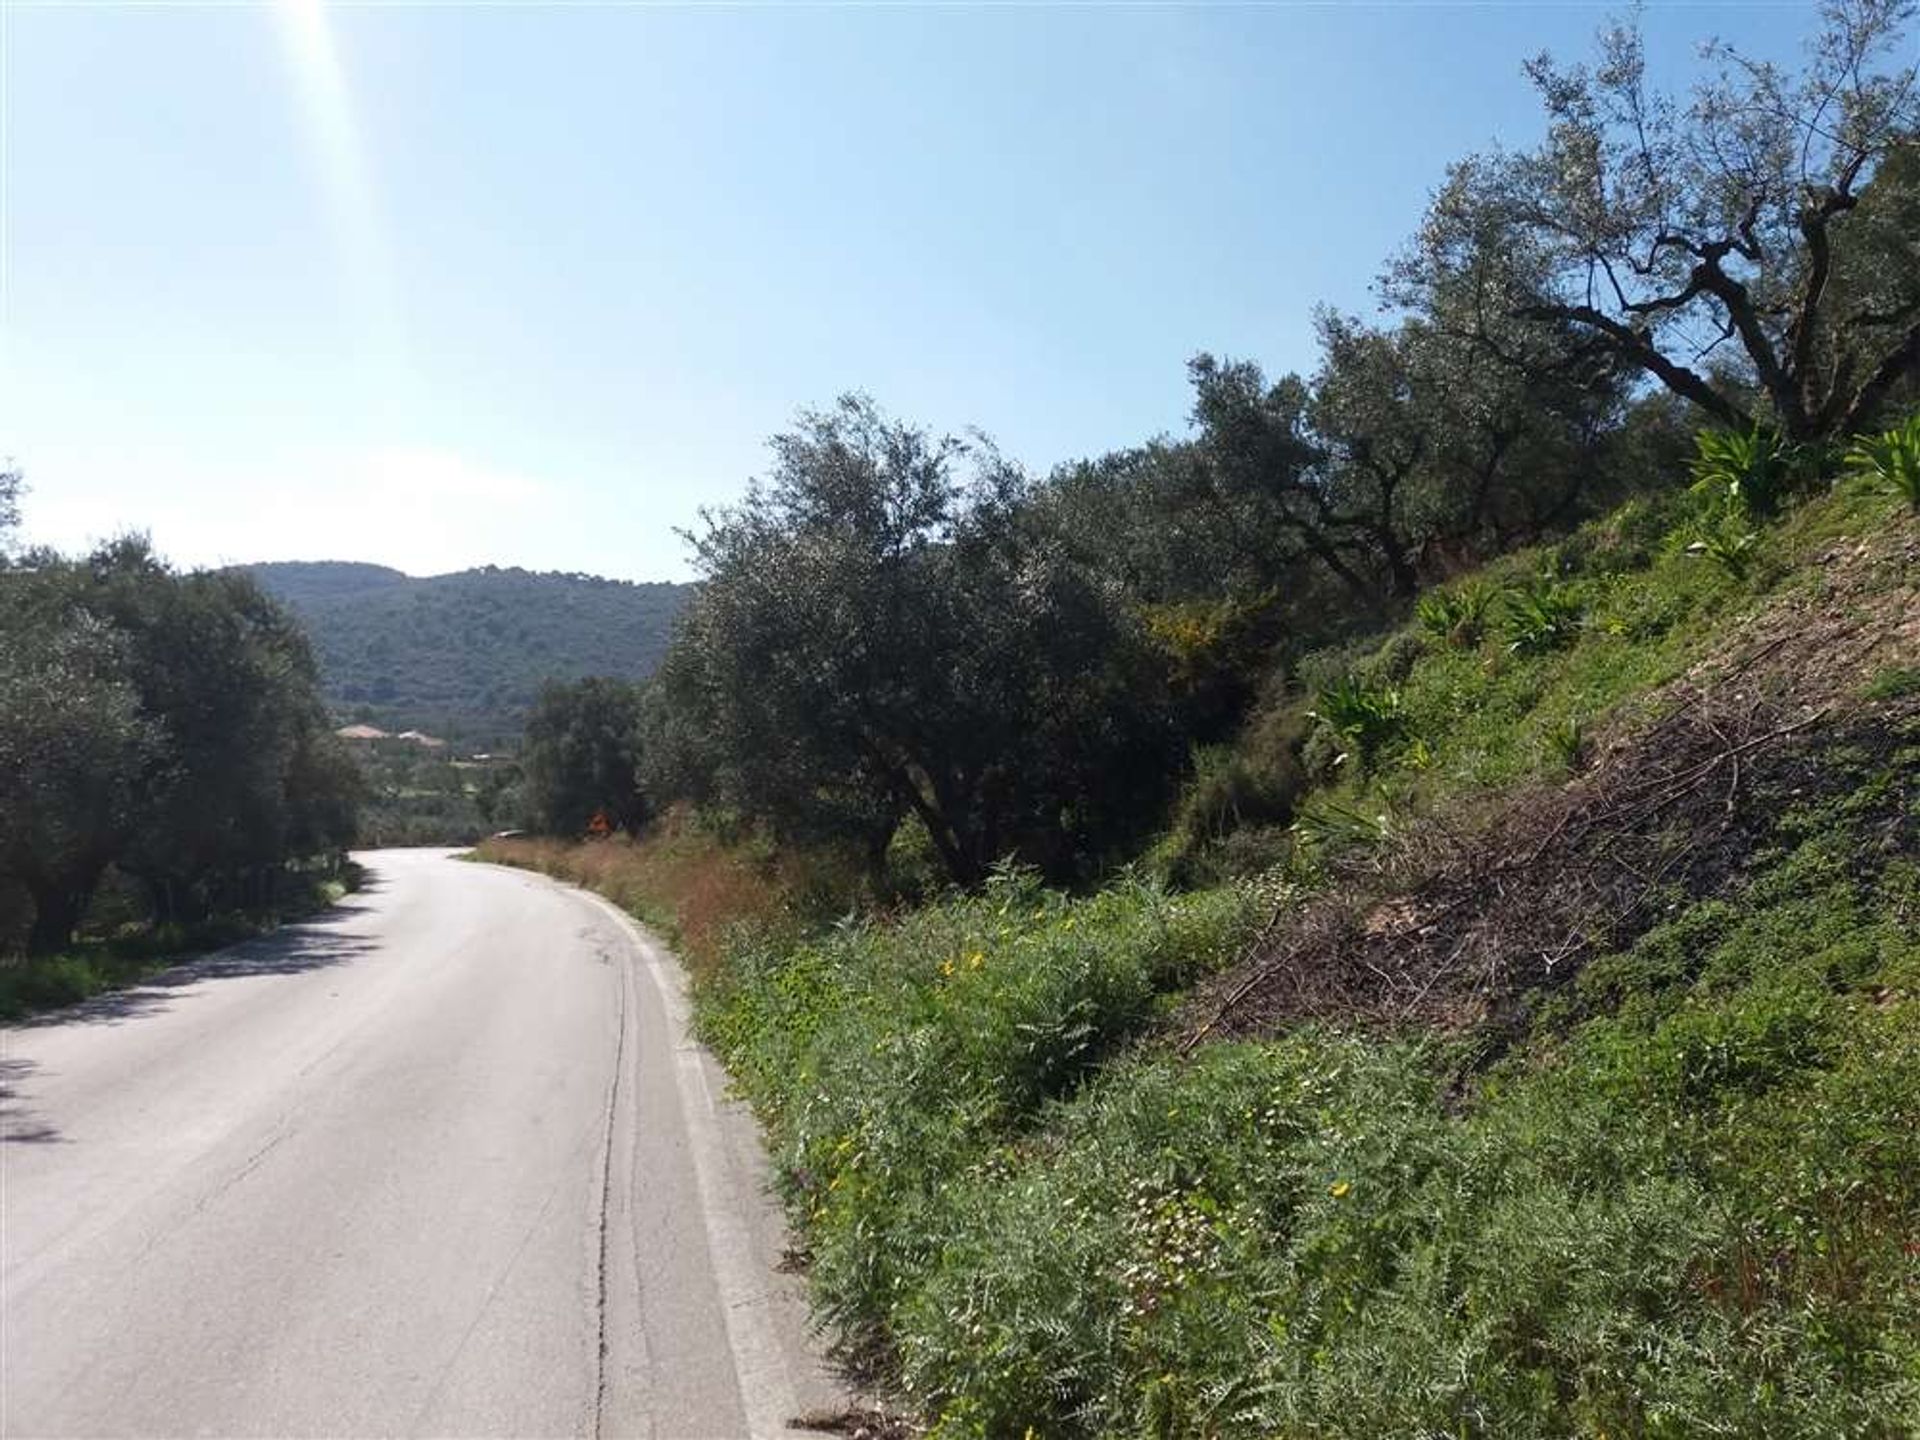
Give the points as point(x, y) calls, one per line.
point(1726, 537)
point(1567, 742)
point(1895, 682)
point(1328, 827)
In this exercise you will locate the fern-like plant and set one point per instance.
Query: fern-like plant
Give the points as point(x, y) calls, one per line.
point(1891, 458)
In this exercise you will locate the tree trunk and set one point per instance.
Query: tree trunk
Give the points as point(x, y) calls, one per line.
point(57, 911)
point(1400, 566)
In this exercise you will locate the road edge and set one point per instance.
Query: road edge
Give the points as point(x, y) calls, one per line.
point(730, 1202)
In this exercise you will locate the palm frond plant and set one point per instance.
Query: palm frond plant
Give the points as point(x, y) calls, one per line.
point(1541, 616)
point(1755, 469)
point(1891, 458)
point(1457, 615)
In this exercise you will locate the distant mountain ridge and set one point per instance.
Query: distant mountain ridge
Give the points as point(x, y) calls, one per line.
point(463, 655)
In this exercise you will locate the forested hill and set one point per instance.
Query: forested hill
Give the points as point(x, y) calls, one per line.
point(464, 654)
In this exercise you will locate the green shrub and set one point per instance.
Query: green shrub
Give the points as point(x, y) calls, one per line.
point(1891, 459)
point(889, 1059)
point(1726, 537)
point(1690, 1219)
point(1541, 616)
point(1756, 470)
point(1232, 814)
point(1327, 827)
point(1458, 615)
point(1368, 717)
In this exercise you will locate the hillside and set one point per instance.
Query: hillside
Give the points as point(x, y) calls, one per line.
point(1542, 1061)
point(464, 654)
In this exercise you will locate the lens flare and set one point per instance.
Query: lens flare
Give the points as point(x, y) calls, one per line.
point(351, 202)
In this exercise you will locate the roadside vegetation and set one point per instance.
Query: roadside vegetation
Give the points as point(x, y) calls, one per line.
point(1393, 913)
point(168, 774)
point(118, 947)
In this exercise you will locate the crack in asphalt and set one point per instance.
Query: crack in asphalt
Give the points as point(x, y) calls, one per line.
point(606, 1205)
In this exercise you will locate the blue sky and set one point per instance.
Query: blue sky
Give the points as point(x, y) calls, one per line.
point(437, 285)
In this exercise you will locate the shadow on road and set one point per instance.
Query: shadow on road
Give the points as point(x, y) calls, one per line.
point(312, 944)
point(17, 1125)
point(292, 950)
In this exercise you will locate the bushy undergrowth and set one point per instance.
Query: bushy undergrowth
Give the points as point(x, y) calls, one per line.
point(889, 1060)
point(1687, 1208)
point(701, 893)
point(1684, 1204)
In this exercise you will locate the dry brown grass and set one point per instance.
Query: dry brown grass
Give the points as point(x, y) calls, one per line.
point(678, 879)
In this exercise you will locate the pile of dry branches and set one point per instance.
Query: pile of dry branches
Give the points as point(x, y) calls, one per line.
point(1450, 925)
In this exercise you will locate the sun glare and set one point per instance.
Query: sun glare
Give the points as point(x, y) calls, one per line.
point(339, 155)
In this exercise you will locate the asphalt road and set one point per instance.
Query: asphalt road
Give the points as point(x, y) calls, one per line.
point(439, 1162)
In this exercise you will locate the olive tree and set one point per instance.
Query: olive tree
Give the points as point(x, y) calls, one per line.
point(1744, 245)
point(880, 636)
point(74, 747)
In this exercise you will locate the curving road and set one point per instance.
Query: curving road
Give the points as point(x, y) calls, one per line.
point(439, 1162)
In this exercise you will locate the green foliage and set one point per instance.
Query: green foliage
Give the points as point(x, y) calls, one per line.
point(1367, 716)
point(582, 757)
point(1725, 535)
point(465, 655)
point(1751, 472)
point(1741, 211)
point(74, 750)
point(888, 1060)
point(1486, 716)
point(1891, 459)
point(1327, 827)
point(1541, 615)
point(1567, 742)
point(166, 724)
point(1895, 682)
point(416, 795)
point(881, 641)
point(1458, 614)
point(1226, 793)
point(31, 983)
point(1685, 1208)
